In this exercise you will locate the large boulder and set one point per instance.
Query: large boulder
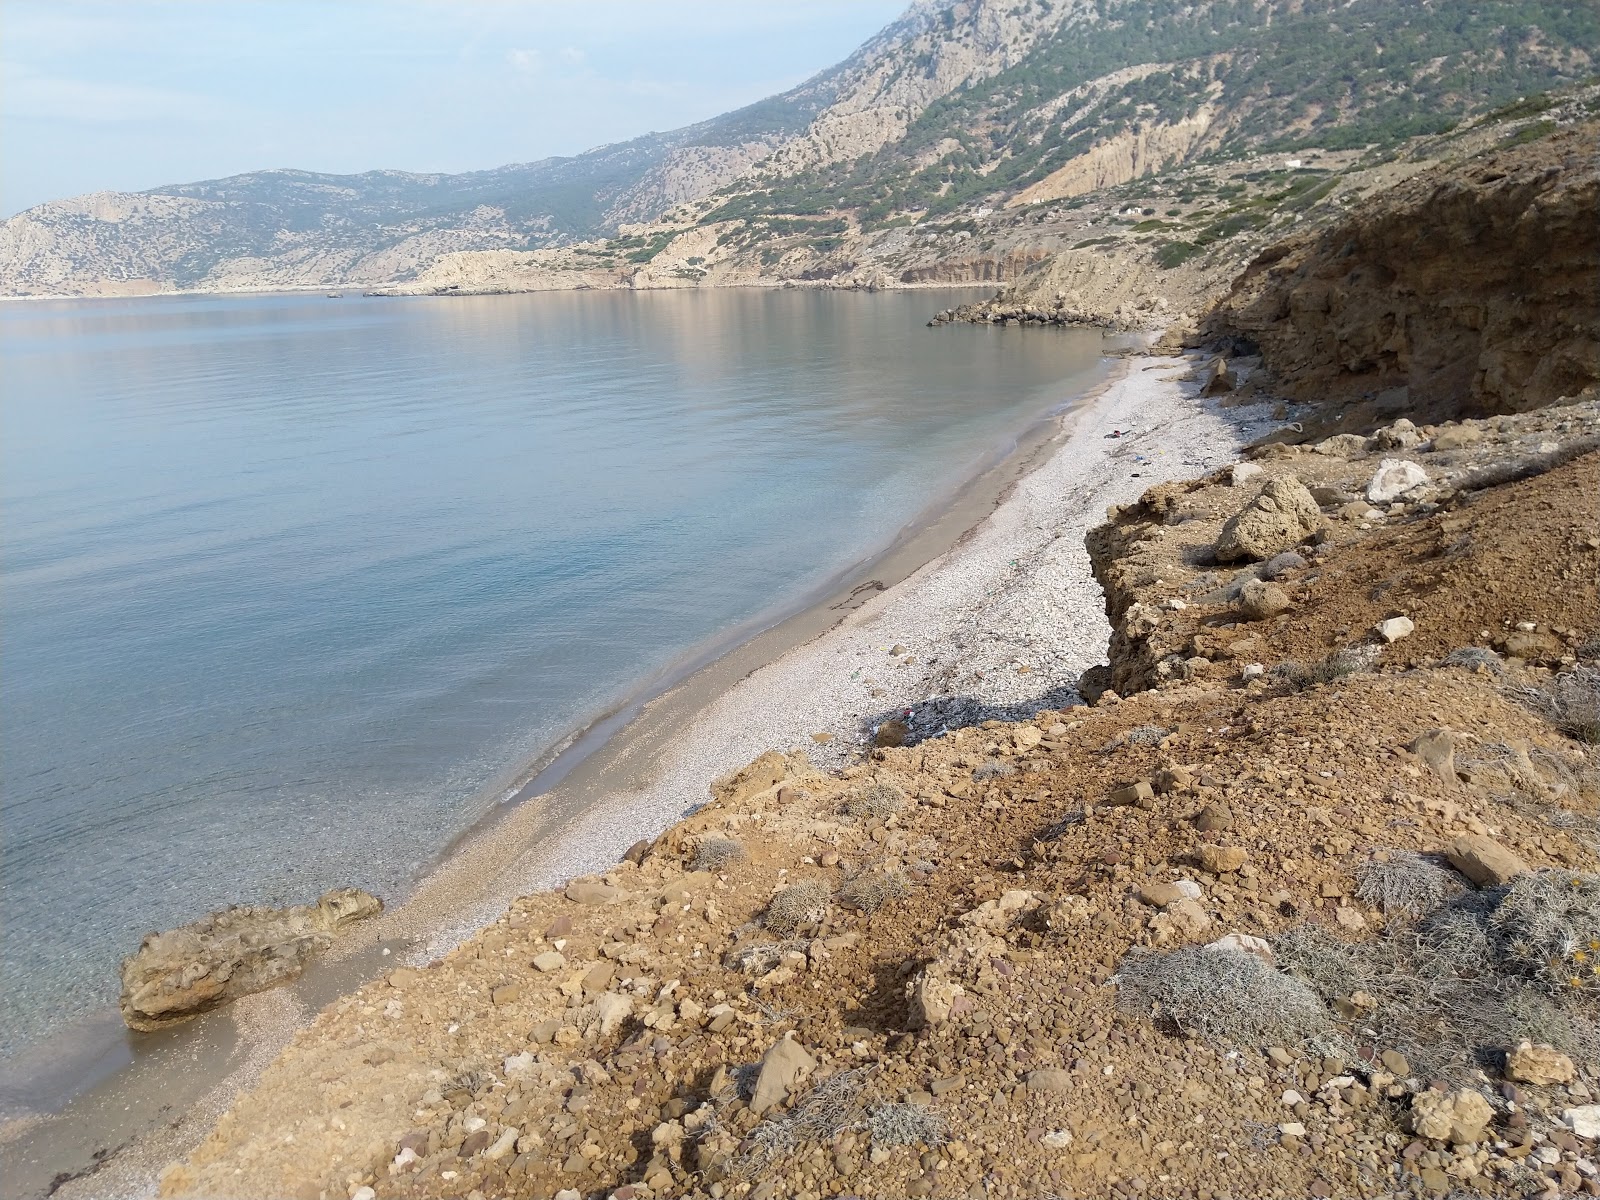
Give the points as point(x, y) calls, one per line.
point(184, 972)
point(1281, 516)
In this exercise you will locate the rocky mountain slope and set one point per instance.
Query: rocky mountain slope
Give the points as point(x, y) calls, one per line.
point(959, 122)
point(297, 228)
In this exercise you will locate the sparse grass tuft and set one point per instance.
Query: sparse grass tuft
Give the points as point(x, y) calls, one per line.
point(716, 853)
point(872, 889)
point(1404, 884)
point(1221, 995)
point(799, 906)
point(873, 799)
point(905, 1125)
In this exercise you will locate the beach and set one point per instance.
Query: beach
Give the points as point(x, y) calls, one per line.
point(991, 610)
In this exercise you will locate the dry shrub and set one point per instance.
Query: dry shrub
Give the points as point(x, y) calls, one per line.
point(905, 1125)
point(799, 906)
point(1456, 990)
point(1341, 663)
point(993, 769)
point(872, 889)
point(1220, 994)
point(874, 798)
point(1404, 884)
point(1475, 657)
point(1547, 927)
point(712, 853)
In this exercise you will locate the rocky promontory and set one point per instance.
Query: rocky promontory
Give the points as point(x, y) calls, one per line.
point(184, 972)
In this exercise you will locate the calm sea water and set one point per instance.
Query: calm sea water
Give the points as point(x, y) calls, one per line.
point(294, 588)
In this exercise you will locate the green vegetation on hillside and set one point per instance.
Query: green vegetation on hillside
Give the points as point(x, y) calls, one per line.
point(1327, 73)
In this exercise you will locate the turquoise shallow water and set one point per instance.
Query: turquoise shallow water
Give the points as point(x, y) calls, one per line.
point(295, 588)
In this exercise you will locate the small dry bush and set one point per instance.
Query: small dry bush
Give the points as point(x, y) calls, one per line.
point(873, 799)
point(1221, 995)
point(799, 906)
point(1454, 991)
point(993, 769)
point(834, 1106)
point(716, 854)
point(1475, 657)
point(1547, 927)
point(1341, 663)
point(871, 890)
point(1404, 884)
point(755, 959)
point(905, 1125)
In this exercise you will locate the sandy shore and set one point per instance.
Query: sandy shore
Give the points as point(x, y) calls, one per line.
point(1000, 622)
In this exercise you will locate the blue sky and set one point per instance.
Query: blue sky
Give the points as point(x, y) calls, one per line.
point(132, 94)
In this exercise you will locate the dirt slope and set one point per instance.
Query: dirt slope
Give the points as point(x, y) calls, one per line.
point(1476, 287)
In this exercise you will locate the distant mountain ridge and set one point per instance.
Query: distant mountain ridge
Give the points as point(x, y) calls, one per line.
point(958, 108)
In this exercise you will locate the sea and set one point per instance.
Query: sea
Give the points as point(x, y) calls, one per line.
point(296, 589)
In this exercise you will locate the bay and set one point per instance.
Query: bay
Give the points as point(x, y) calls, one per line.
point(295, 589)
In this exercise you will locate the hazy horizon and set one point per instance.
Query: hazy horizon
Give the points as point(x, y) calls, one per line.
point(148, 93)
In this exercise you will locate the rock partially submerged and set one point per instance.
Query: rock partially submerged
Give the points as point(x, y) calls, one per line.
point(184, 972)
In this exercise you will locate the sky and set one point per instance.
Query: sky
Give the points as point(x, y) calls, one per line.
point(132, 94)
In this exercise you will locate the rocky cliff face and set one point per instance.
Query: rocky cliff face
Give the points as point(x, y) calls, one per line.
point(1473, 286)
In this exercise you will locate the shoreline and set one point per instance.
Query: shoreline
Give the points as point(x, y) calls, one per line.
point(370, 290)
point(717, 716)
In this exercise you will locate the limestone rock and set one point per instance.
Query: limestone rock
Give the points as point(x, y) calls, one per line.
point(1458, 1117)
point(1279, 518)
point(1219, 860)
point(1539, 1064)
point(1395, 628)
point(1483, 860)
point(785, 1065)
point(934, 997)
point(593, 894)
point(1393, 479)
point(181, 973)
point(1259, 600)
point(1243, 472)
point(1584, 1121)
point(1050, 1079)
